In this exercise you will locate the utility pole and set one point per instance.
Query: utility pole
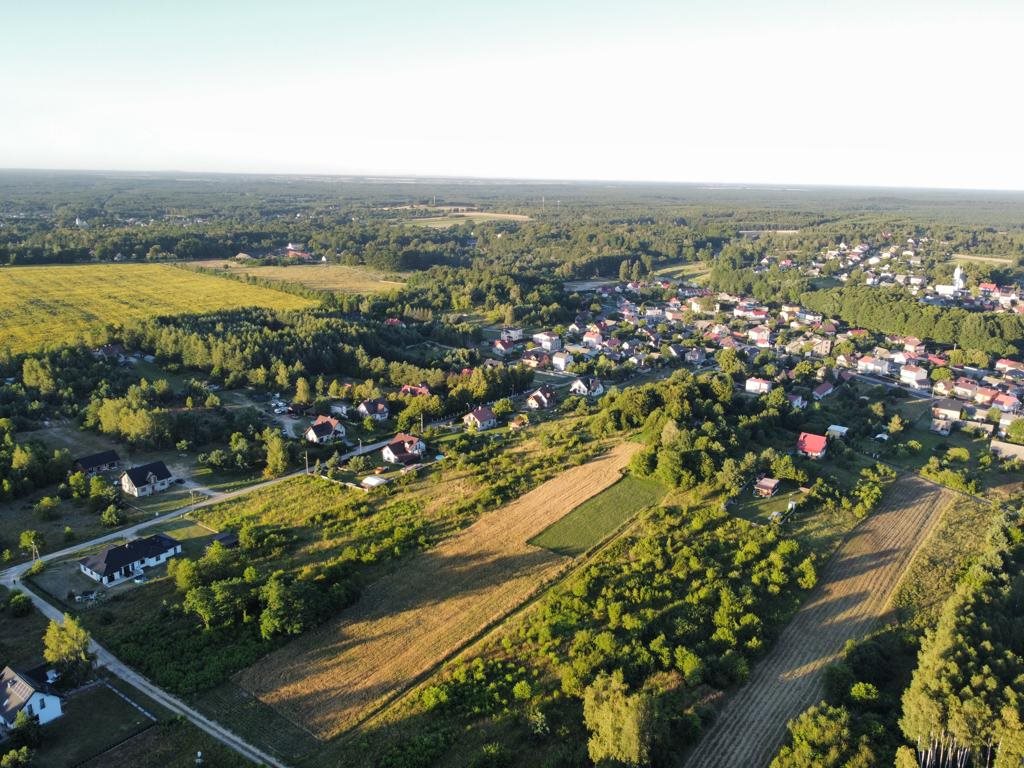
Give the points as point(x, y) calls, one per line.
point(306, 454)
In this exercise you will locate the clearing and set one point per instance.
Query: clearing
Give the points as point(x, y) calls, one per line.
point(62, 304)
point(474, 217)
point(339, 278)
point(413, 619)
point(852, 597)
point(597, 518)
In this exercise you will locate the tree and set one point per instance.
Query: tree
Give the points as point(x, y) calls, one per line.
point(303, 396)
point(112, 516)
point(277, 453)
point(67, 646)
point(1015, 432)
point(502, 407)
point(16, 758)
point(729, 362)
point(896, 424)
point(619, 722)
point(824, 737)
point(31, 542)
point(25, 732)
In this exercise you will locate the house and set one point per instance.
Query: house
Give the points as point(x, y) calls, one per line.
point(766, 487)
point(810, 445)
point(985, 395)
point(93, 464)
point(547, 341)
point(511, 334)
point(942, 427)
point(326, 429)
point(480, 418)
point(1006, 402)
point(415, 390)
point(836, 430)
point(541, 398)
point(593, 339)
point(1003, 365)
point(375, 409)
point(946, 410)
point(964, 388)
point(561, 360)
point(796, 402)
point(536, 358)
point(503, 347)
point(760, 335)
point(404, 449)
point(587, 386)
point(943, 388)
point(823, 390)
point(695, 355)
point(873, 365)
point(115, 564)
point(146, 479)
point(1006, 450)
point(756, 386)
point(30, 692)
point(914, 376)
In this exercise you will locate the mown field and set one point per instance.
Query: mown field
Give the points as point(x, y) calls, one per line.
point(851, 599)
point(597, 518)
point(58, 304)
point(321, 277)
point(409, 621)
point(451, 220)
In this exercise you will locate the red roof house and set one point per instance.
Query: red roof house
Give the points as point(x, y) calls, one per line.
point(810, 445)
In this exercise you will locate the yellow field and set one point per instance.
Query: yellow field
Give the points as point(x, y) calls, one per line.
point(58, 304)
point(321, 277)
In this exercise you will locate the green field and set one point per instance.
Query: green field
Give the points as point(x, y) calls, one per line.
point(62, 304)
point(454, 219)
point(595, 519)
point(339, 278)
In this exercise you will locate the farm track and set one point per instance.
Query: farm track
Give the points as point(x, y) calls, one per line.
point(415, 618)
point(852, 597)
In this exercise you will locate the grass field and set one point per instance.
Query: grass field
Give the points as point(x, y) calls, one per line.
point(851, 599)
point(422, 613)
point(598, 517)
point(452, 219)
point(21, 639)
point(1004, 260)
point(55, 304)
point(322, 277)
point(94, 720)
point(168, 744)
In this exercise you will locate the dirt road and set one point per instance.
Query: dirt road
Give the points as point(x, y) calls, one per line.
point(852, 597)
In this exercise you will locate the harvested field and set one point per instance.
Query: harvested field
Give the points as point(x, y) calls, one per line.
point(852, 597)
point(411, 620)
point(339, 278)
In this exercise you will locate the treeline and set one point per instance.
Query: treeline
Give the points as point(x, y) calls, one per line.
point(28, 465)
point(892, 311)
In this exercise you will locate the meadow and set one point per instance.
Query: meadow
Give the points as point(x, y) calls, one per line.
point(597, 518)
point(338, 278)
point(64, 304)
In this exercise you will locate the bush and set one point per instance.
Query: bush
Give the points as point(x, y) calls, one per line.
point(19, 605)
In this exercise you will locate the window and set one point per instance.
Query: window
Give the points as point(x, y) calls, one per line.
point(42, 703)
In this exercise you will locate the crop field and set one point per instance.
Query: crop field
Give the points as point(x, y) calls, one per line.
point(422, 613)
point(598, 517)
point(852, 597)
point(322, 277)
point(54, 304)
point(452, 219)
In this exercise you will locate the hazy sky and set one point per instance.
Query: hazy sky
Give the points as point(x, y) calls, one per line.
point(805, 91)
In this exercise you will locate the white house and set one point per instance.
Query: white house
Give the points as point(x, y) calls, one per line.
point(480, 418)
point(147, 479)
point(914, 376)
point(587, 387)
point(511, 334)
point(115, 564)
point(541, 398)
point(404, 449)
point(28, 692)
point(547, 341)
point(756, 386)
point(376, 409)
point(873, 365)
point(326, 429)
point(561, 360)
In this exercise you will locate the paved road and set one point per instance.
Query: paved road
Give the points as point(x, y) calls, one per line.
point(851, 599)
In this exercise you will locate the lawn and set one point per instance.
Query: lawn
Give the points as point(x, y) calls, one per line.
point(339, 278)
point(94, 720)
point(597, 518)
point(758, 510)
point(62, 304)
point(21, 639)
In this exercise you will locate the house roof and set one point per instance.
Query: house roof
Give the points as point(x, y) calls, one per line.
point(140, 475)
point(114, 558)
point(97, 459)
point(767, 483)
point(374, 406)
point(811, 443)
point(321, 429)
point(824, 388)
point(482, 414)
point(16, 688)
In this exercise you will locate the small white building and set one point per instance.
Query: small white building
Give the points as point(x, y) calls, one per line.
point(561, 360)
point(404, 449)
point(27, 692)
point(147, 479)
point(326, 429)
point(756, 386)
point(914, 376)
point(548, 341)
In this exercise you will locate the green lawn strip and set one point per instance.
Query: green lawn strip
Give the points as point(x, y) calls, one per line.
point(598, 517)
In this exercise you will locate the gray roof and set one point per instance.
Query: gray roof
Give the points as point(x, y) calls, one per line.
point(140, 475)
point(16, 688)
point(97, 459)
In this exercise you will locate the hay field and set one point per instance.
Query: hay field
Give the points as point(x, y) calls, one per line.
point(321, 277)
point(413, 619)
point(62, 304)
point(852, 597)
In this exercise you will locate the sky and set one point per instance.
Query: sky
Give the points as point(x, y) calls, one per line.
point(920, 94)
